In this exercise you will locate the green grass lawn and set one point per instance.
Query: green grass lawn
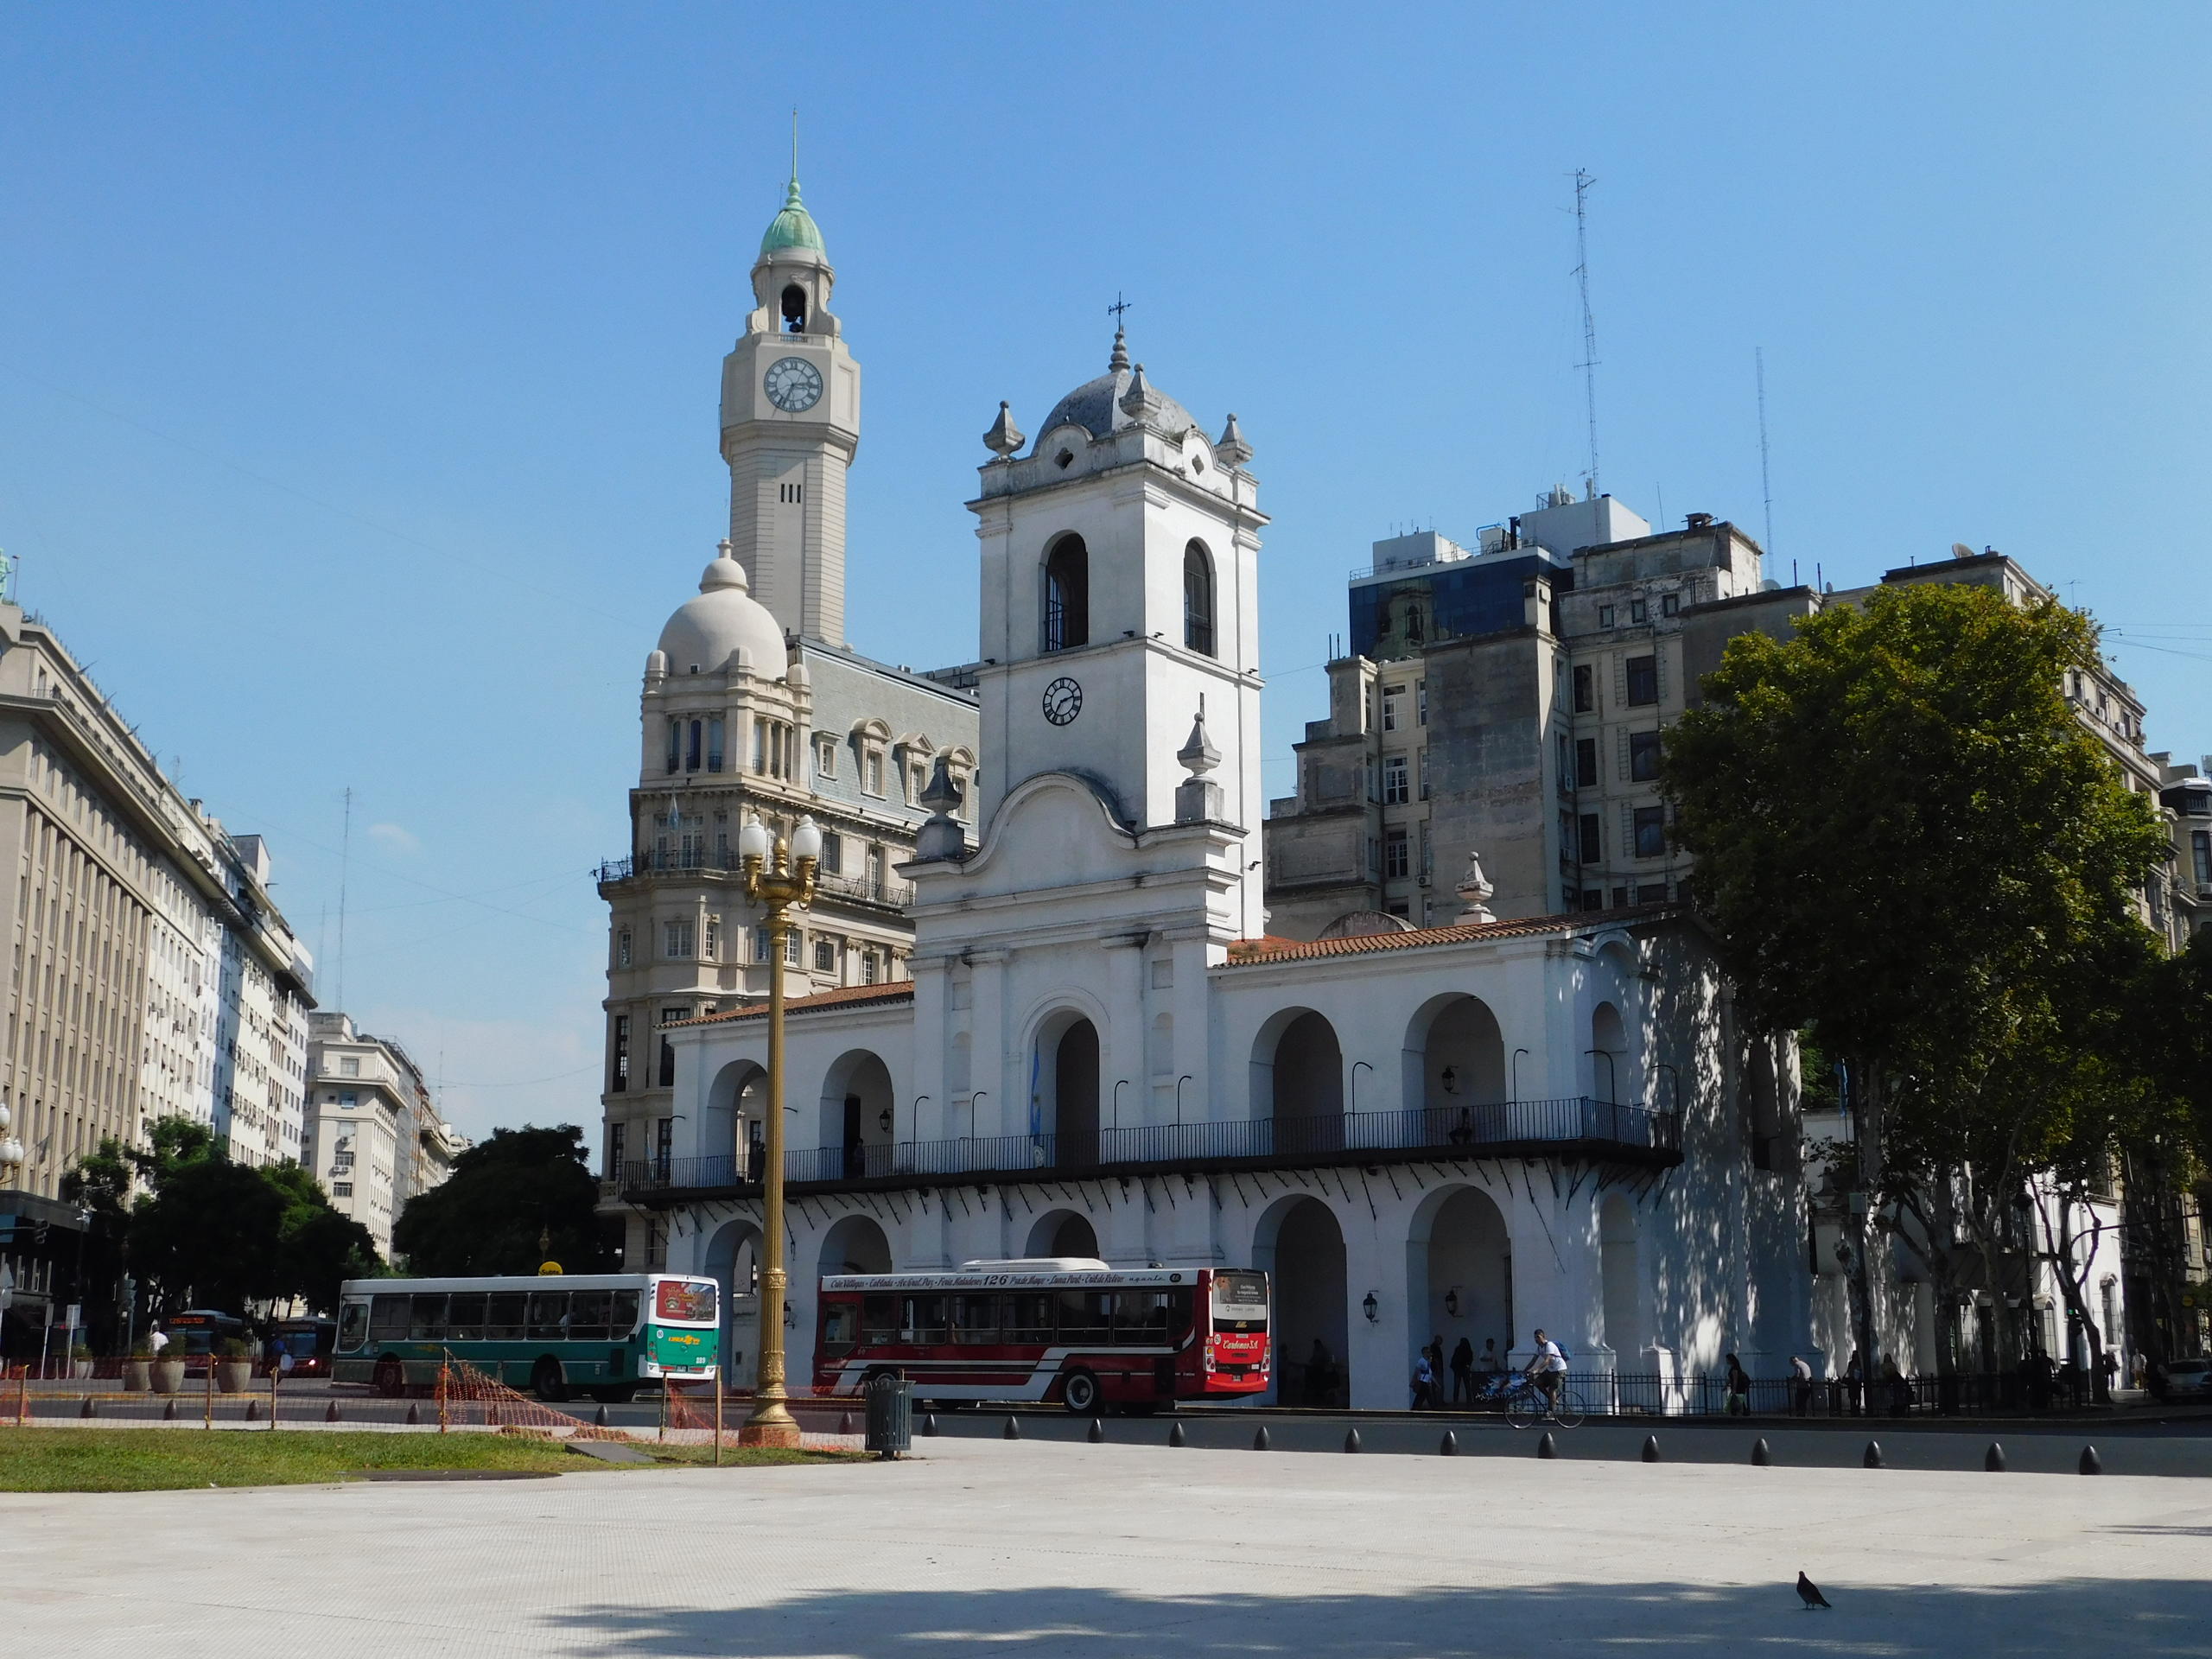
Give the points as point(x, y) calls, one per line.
point(153, 1459)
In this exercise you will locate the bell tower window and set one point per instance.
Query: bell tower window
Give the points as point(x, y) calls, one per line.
point(794, 308)
point(1198, 599)
point(1067, 594)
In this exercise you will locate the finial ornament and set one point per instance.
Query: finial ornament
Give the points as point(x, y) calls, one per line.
point(1232, 448)
point(1120, 360)
point(1474, 889)
point(1004, 437)
point(1198, 756)
point(1139, 402)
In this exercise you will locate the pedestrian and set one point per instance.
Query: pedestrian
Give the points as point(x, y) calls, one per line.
point(1801, 1386)
point(1490, 1362)
point(1900, 1391)
point(1740, 1388)
point(2108, 1368)
point(157, 1338)
point(2142, 1370)
point(1424, 1382)
point(1435, 1352)
point(1854, 1382)
point(1462, 1367)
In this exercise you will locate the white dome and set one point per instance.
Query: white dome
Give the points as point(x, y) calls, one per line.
point(723, 619)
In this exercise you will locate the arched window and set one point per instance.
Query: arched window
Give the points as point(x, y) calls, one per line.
point(794, 309)
point(1198, 599)
point(1067, 594)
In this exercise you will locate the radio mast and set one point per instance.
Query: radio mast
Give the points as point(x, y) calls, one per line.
point(1589, 364)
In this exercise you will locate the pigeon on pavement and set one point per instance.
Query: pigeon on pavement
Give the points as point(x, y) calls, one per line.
point(1809, 1593)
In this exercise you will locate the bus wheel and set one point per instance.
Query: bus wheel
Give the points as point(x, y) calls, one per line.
point(1079, 1393)
point(391, 1378)
point(546, 1381)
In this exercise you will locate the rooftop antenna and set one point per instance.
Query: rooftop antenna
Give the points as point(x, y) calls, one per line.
point(1766, 490)
point(1589, 364)
point(794, 144)
point(345, 865)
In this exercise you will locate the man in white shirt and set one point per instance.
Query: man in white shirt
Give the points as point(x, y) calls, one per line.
point(157, 1339)
point(1546, 1368)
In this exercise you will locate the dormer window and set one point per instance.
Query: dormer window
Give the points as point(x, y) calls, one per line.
point(794, 305)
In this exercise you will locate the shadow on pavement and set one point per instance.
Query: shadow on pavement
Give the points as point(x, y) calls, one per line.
point(2145, 1618)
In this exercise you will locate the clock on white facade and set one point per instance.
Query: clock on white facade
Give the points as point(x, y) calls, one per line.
point(1063, 701)
point(793, 384)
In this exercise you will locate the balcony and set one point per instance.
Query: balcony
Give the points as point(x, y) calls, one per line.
point(887, 891)
point(1576, 1126)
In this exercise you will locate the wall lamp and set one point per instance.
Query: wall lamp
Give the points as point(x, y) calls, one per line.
point(1369, 1305)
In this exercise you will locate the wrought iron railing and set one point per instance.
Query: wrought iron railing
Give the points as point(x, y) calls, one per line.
point(1576, 1120)
point(872, 889)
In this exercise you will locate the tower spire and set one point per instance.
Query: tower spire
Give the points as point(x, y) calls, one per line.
point(794, 152)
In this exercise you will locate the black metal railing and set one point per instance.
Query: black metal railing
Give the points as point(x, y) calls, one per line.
point(1631, 1394)
point(1576, 1120)
point(872, 889)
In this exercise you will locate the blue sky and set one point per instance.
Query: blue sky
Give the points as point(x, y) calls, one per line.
point(358, 366)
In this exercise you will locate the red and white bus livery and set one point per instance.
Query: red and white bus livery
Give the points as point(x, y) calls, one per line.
point(1059, 1328)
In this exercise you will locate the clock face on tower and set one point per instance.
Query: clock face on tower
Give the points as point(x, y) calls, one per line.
point(1063, 701)
point(793, 384)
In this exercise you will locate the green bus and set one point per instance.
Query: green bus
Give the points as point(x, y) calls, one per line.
point(597, 1333)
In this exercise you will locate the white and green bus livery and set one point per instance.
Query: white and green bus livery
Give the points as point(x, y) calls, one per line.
point(595, 1333)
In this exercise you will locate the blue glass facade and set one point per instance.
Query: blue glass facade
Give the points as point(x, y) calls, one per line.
point(1472, 596)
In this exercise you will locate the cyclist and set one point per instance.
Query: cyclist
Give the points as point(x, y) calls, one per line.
point(1547, 1369)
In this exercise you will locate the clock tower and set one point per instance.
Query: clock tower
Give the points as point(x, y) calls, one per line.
point(790, 424)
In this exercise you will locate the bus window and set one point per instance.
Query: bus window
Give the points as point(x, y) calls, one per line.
point(879, 1318)
point(976, 1318)
point(352, 1327)
point(548, 1315)
point(626, 1314)
point(465, 1316)
point(690, 1304)
point(1029, 1316)
point(1141, 1317)
point(587, 1316)
point(1086, 1315)
point(426, 1321)
point(388, 1318)
point(841, 1325)
point(503, 1317)
point(925, 1320)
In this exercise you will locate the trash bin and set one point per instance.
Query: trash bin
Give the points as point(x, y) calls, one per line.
point(890, 1416)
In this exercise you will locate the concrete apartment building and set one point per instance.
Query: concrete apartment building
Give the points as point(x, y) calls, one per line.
point(755, 704)
point(375, 1138)
point(151, 974)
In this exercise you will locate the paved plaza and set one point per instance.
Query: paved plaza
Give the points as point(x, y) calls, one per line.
point(1033, 1548)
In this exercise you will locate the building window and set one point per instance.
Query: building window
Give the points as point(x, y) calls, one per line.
point(1650, 832)
point(622, 949)
point(1671, 604)
point(2200, 845)
point(874, 784)
point(1421, 761)
point(1651, 892)
point(341, 1189)
point(1638, 612)
point(1398, 856)
point(618, 1135)
point(1643, 680)
point(676, 941)
point(349, 1067)
point(1643, 756)
point(1393, 698)
point(760, 943)
point(1586, 762)
point(868, 965)
point(1067, 595)
point(1593, 846)
point(1395, 790)
point(341, 1160)
point(1198, 599)
point(1604, 616)
point(349, 1098)
point(714, 939)
point(664, 1140)
point(675, 744)
point(918, 779)
point(791, 947)
point(619, 1083)
point(825, 756)
point(1585, 690)
point(667, 1063)
point(833, 854)
point(715, 745)
point(825, 955)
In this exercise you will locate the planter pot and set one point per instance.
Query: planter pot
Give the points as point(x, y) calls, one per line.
point(138, 1376)
point(167, 1375)
point(233, 1375)
point(81, 1368)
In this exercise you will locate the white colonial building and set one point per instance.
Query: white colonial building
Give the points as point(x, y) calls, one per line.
point(1469, 1129)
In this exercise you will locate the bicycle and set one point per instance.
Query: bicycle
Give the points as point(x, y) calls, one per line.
point(1526, 1405)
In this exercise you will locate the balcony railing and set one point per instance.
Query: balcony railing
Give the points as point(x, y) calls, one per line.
point(1633, 1133)
point(871, 889)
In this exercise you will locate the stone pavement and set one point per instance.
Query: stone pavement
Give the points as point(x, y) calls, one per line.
point(1028, 1549)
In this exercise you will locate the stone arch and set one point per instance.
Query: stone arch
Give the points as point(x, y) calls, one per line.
point(1063, 595)
point(732, 1125)
point(1301, 1247)
point(853, 1244)
point(1608, 1055)
point(1459, 1275)
point(1066, 1064)
point(1298, 1081)
point(1454, 1060)
point(1062, 1232)
point(859, 1116)
point(732, 1262)
point(1621, 1281)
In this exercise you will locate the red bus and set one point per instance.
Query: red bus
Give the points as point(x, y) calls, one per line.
point(1060, 1328)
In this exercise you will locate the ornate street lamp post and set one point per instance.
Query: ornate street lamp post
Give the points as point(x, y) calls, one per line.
point(779, 879)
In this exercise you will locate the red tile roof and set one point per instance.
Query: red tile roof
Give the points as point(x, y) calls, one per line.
point(843, 996)
point(1249, 953)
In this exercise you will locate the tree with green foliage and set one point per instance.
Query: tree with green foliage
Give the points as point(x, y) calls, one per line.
point(503, 1195)
point(1906, 840)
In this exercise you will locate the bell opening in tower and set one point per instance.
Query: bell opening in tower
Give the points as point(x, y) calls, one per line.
point(1067, 594)
point(794, 307)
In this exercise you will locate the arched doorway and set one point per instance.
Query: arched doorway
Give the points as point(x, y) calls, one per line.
point(1455, 1071)
point(1062, 1233)
point(1300, 1068)
point(733, 1127)
point(733, 1262)
point(1302, 1249)
point(856, 1244)
point(858, 1117)
point(1608, 1052)
point(1620, 1277)
point(1066, 1108)
point(1460, 1275)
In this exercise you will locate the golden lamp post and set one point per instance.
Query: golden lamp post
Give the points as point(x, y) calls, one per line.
point(780, 878)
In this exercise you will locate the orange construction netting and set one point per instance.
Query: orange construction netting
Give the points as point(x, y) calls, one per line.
point(467, 1397)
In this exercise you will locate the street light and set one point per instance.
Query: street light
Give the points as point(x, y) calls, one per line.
point(779, 879)
point(1369, 1305)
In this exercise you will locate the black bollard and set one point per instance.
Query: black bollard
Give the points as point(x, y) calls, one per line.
point(1012, 1430)
point(1993, 1459)
point(599, 1418)
point(1175, 1436)
point(330, 1413)
point(413, 1418)
point(1449, 1447)
point(1259, 1440)
point(1651, 1448)
point(1097, 1435)
point(1548, 1447)
point(929, 1422)
point(1874, 1458)
point(86, 1409)
point(2091, 1464)
point(1762, 1454)
point(1352, 1439)
point(845, 1423)
point(253, 1411)
point(169, 1412)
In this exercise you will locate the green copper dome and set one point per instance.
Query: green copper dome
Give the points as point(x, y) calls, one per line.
point(794, 227)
